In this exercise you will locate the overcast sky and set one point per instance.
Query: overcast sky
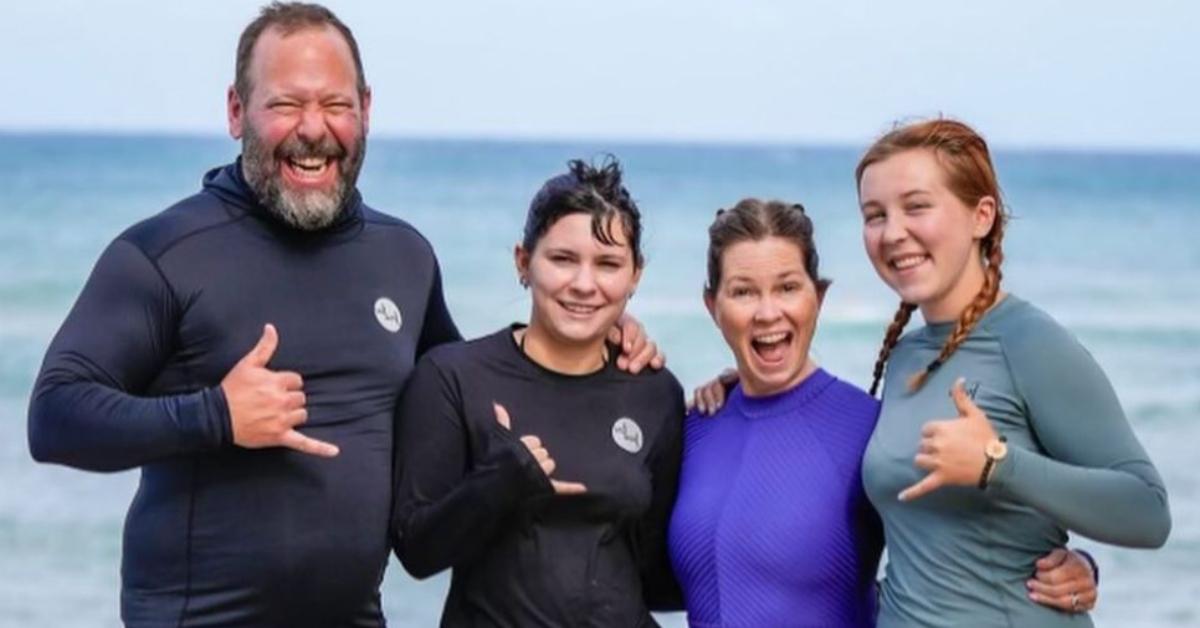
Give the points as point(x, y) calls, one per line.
point(1038, 73)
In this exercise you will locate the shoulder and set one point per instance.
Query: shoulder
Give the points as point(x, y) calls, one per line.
point(199, 213)
point(1027, 333)
point(658, 383)
point(854, 398)
point(452, 357)
point(848, 405)
point(396, 228)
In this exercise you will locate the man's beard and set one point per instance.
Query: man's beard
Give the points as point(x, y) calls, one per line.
point(307, 210)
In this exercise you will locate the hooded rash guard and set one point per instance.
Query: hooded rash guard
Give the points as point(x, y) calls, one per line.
point(218, 534)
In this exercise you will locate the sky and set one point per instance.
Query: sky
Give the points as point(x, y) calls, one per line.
point(1028, 73)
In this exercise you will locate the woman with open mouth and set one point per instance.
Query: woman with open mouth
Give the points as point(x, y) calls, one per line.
point(772, 526)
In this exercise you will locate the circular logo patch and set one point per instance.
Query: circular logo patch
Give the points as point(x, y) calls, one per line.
point(387, 314)
point(627, 435)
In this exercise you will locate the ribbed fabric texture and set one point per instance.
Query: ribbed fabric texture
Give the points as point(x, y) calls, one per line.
point(771, 526)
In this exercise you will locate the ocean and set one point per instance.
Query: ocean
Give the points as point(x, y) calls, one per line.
point(1106, 242)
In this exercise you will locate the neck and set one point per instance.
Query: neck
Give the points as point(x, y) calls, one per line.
point(753, 390)
point(562, 357)
point(948, 307)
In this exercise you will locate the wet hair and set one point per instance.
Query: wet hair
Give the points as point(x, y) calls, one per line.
point(289, 18)
point(969, 174)
point(586, 189)
point(754, 220)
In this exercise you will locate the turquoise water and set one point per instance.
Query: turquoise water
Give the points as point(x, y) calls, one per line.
point(1106, 243)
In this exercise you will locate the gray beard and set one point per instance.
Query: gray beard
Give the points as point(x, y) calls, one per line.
point(308, 210)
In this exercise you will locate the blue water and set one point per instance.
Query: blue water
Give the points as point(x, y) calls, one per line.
point(1106, 243)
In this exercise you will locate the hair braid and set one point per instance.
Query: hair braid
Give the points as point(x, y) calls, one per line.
point(994, 253)
point(903, 313)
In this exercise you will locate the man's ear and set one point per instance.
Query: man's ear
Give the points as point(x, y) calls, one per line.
point(235, 111)
point(365, 97)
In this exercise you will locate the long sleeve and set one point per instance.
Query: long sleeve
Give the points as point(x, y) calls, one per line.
point(1096, 479)
point(88, 408)
point(438, 327)
point(448, 506)
point(659, 585)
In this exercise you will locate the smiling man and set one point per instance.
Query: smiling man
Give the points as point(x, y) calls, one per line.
point(246, 349)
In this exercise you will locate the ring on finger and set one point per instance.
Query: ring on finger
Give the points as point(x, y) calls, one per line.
point(1075, 602)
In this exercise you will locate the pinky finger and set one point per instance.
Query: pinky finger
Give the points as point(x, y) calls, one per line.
point(295, 440)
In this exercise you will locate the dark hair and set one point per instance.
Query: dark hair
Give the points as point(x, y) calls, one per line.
point(754, 220)
point(586, 189)
point(967, 166)
point(289, 17)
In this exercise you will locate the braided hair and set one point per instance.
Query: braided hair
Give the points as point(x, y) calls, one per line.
point(967, 165)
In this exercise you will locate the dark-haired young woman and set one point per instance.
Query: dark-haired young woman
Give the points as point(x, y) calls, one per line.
point(1032, 441)
point(529, 463)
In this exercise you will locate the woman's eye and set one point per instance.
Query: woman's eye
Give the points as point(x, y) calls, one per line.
point(790, 287)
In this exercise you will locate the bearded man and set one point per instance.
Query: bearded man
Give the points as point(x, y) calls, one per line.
point(246, 348)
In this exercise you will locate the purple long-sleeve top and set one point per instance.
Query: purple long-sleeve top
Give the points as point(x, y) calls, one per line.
point(771, 526)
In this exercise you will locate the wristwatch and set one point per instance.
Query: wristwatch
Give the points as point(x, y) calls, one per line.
point(995, 451)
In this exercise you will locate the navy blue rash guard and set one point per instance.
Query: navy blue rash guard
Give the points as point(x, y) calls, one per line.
point(218, 534)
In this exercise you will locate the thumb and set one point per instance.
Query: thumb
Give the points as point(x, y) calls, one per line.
point(962, 401)
point(502, 416)
point(261, 354)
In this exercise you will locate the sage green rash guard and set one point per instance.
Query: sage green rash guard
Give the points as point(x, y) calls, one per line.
point(960, 556)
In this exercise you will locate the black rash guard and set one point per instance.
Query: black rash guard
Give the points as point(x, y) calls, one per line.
point(218, 534)
point(471, 497)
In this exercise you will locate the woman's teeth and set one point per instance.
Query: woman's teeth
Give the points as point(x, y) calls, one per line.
point(908, 261)
point(579, 309)
point(771, 347)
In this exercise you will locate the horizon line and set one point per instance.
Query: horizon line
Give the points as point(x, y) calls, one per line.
point(629, 141)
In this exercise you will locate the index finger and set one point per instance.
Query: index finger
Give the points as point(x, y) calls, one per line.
point(295, 440)
point(641, 356)
point(1056, 557)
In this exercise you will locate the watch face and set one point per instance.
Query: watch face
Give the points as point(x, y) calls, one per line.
point(996, 449)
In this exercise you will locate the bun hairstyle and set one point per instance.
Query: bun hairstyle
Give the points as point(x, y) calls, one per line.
point(969, 174)
point(753, 220)
point(586, 189)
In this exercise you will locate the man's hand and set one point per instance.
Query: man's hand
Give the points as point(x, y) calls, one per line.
point(952, 450)
point(265, 406)
point(636, 349)
point(1064, 580)
point(535, 447)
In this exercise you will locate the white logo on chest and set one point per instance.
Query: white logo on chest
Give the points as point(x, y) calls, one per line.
point(387, 314)
point(627, 435)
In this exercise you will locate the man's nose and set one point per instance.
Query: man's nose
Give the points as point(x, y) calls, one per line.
point(312, 124)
